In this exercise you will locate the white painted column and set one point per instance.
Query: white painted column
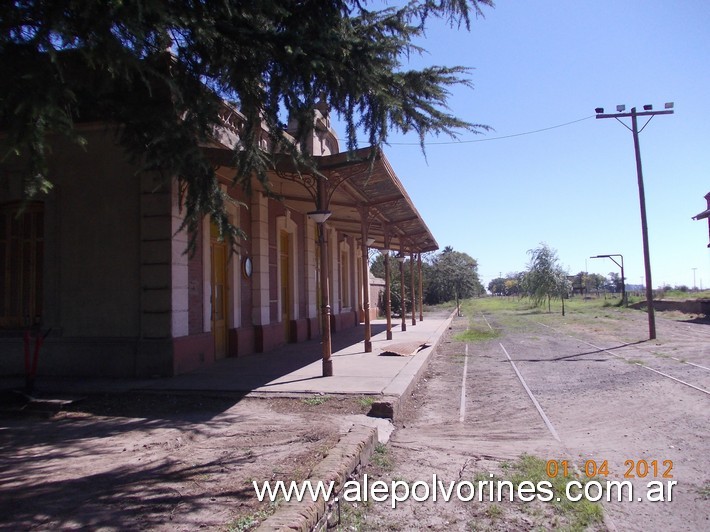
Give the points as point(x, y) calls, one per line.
point(178, 265)
point(311, 272)
point(260, 249)
point(334, 251)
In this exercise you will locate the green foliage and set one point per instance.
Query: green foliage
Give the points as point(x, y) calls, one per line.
point(249, 522)
point(161, 70)
point(578, 514)
point(446, 276)
point(545, 279)
point(477, 334)
point(680, 294)
point(316, 400)
point(381, 457)
point(510, 285)
point(378, 270)
point(366, 402)
point(454, 275)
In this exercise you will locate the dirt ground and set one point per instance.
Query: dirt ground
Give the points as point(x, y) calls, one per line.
point(163, 462)
point(159, 462)
point(586, 374)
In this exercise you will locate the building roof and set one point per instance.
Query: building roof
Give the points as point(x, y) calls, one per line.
point(356, 182)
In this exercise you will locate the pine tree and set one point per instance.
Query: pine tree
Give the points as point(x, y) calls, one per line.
point(161, 71)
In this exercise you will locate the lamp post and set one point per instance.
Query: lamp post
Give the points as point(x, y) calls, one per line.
point(411, 289)
point(647, 111)
point(624, 300)
point(421, 285)
point(320, 216)
point(388, 296)
point(366, 243)
point(403, 312)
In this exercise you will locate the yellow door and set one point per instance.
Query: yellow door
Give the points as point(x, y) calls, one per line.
point(218, 254)
point(285, 263)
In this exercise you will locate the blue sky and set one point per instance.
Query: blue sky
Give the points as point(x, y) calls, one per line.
point(540, 64)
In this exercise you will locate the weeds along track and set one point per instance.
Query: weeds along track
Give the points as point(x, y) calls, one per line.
point(690, 374)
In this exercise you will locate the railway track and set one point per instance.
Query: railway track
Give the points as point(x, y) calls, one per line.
point(701, 372)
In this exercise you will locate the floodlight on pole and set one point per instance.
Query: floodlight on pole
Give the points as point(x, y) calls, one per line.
point(642, 195)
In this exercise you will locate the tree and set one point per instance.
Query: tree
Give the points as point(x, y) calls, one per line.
point(497, 286)
point(512, 285)
point(378, 270)
point(615, 281)
point(545, 279)
point(454, 275)
point(506, 286)
point(597, 282)
point(161, 70)
point(579, 283)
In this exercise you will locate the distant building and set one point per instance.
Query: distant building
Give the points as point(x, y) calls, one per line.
point(705, 213)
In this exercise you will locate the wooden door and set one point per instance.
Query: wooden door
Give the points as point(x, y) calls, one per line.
point(218, 254)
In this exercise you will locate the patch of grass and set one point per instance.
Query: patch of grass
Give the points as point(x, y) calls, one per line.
point(381, 457)
point(477, 335)
point(471, 307)
point(580, 514)
point(366, 402)
point(481, 477)
point(635, 361)
point(251, 521)
point(573, 516)
point(704, 492)
point(315, 401)
point(494, 511)
point(353, 516)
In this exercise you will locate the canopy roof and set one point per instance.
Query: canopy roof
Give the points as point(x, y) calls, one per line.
point(359, 184)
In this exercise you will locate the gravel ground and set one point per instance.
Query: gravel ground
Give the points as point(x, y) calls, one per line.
point(590, 376)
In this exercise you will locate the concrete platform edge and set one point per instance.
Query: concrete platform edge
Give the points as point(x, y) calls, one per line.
point(352, 452)
point(399, 391)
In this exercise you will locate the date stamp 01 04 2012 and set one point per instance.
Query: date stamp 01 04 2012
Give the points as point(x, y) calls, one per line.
point(659, 487)
point(633, 468)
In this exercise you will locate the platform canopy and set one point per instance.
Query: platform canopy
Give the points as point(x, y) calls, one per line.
point(358, 184)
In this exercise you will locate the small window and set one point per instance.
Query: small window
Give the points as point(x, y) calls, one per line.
point(21, 264)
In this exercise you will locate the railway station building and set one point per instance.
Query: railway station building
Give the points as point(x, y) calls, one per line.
point(99, 264)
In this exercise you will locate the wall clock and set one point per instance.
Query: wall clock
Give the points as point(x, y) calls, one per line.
point(247, 267)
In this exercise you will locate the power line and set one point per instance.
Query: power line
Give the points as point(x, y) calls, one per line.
point(492, 138)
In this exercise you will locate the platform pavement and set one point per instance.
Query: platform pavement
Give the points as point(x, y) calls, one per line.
point(292, 368)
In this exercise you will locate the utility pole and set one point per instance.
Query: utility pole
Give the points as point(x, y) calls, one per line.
point(648, 111)
point(694, 286)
